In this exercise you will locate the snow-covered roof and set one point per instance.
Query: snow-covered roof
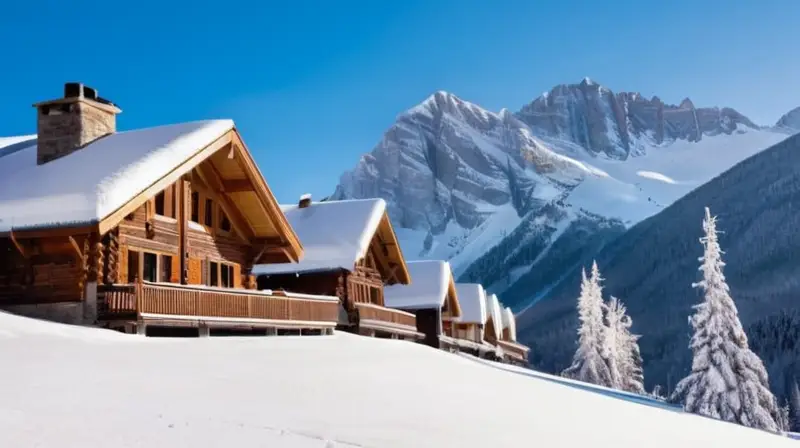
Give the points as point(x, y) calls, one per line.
point(473, 303)
point(430, 283)
point(510, 323)
point(494, 312)
point(93, 182)
point(334, 234)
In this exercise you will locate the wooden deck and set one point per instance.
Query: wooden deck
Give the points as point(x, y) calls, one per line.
point(513, 351)
point(185, 305)
point(378, 319)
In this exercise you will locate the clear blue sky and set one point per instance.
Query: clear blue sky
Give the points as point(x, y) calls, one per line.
point(313, 85)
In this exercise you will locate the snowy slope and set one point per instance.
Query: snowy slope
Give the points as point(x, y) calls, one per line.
point(514, 199)
point(74, 387)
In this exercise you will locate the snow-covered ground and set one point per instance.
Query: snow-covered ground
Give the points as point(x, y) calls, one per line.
point(76, 387)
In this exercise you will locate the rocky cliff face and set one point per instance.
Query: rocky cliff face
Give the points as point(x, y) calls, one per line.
point(623, 124)
point(513, 200)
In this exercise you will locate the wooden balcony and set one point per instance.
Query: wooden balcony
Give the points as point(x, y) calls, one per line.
point(514, 351)
point(190, 305)
point(375, 318)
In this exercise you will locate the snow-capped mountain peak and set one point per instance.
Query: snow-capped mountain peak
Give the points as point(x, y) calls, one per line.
point(498, 193)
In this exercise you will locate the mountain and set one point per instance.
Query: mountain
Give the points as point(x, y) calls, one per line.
point(652, 266)
point(790, 121)
point(513, 200)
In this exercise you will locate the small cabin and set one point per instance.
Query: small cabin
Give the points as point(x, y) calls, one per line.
point(512, 351)
point(494, 324)
point(350, 252)
point(433, 299)
point(470, 329)
point(150, 230)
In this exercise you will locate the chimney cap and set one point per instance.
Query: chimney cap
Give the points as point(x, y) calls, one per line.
point(305, 200)
point(76, 91)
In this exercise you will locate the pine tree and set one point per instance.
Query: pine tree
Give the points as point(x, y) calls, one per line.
point(794, 406)
point(588, 364)
point(728, 381)
point(621, 349)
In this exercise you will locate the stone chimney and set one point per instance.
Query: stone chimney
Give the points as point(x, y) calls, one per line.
point(67, 124)
point(305, 201)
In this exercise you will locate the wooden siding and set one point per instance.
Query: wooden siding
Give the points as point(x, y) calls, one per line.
point(124, 301)
point(51, 270)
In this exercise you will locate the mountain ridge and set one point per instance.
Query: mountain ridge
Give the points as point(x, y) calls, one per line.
point(512, 198)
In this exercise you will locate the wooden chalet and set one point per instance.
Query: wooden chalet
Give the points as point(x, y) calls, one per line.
point(512, 351)
point(471, 326)
point(433, 299)
point(151, 230)
point(351, 252)
point(494, 324)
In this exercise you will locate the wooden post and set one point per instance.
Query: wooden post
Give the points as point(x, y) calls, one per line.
point(183, 203)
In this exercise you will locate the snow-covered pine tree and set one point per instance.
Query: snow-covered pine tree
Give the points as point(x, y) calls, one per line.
point(794, 406)
point(588, 364)
point(622, 349)
point(728, 381)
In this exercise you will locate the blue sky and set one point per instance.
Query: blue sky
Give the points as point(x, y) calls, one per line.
point(313, 85)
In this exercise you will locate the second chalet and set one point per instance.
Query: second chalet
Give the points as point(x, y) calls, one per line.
point(351, 252)
point(432, 297)
point(152, 230)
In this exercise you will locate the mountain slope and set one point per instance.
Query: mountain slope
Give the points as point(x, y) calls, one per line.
point(652, 266)
point(514, 199)
point(304, 392)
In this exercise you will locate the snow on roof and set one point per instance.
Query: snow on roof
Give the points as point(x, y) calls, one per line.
point(494, 311)
point(93, 182)
point(334, 234)
point(473, 303)
point(430, 282)
point(510, 323)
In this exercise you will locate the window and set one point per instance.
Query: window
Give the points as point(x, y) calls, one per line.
point(150, 267)
point(209, 213)
point(160, 197)
point(224, 222)
point(166, 268)
point(226, 275)
point(133, 266)
point(220, 274)
point(196, 207)
point(214, 274)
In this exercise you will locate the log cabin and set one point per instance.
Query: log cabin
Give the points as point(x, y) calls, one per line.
point(493, 327)
point(351, 252)
point(149, 230)
point(512, 351)
point(471, 326)
point(433, 299)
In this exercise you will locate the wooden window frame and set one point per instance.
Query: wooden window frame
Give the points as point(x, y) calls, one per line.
point(220, 264)
point(169, 202)
point(159, 268)
point(221, 217)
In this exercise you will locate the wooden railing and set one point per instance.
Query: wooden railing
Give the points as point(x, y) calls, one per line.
point(369, 311)
point(514, 349)
point(180, 300)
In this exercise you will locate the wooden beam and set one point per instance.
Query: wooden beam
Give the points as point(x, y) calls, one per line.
point(110, 221)
point(183, 220)
point(75, 246)
point(213, 186)
point(237, 185)
point(18, 245)
point(260, 253)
